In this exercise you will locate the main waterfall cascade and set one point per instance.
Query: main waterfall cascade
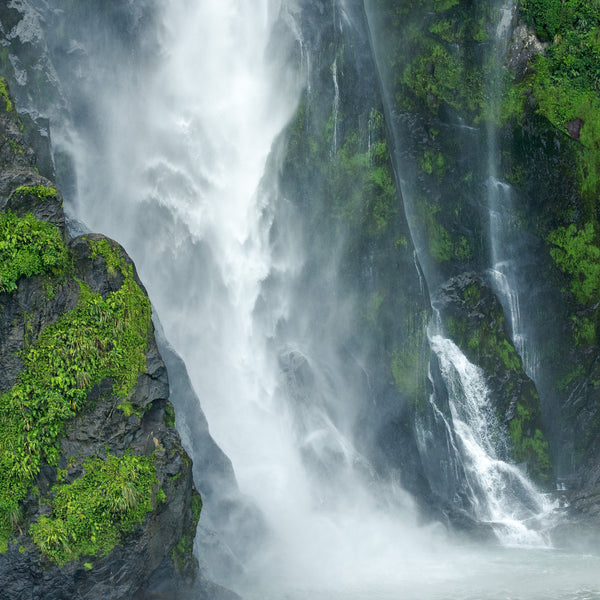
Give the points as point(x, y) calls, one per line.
point(182, 166)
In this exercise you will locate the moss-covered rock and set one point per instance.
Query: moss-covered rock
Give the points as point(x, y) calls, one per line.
point(93, 499)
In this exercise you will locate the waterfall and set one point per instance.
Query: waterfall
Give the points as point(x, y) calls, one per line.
point(501, 494)
point(503, 273)
point(493, 491)
point(336, 106)
point(503, 226)
point(186, 183)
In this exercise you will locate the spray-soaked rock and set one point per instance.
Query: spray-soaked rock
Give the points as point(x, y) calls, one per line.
point(107, 426)
point(474, 319)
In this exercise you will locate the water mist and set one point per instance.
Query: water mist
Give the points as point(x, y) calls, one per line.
point(181, 185)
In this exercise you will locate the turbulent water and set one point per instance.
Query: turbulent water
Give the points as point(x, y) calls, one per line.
point(182, 172)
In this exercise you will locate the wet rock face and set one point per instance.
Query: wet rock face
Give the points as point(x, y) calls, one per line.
point(475, 320)
point(111, 423)
point(524, 46)
point(473, 317)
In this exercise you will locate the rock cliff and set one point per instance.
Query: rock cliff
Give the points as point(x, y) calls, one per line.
point(96, 489)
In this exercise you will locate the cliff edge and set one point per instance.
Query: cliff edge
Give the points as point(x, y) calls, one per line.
point(96, 492)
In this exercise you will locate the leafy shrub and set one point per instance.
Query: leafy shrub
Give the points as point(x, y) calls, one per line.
point(41, 191)
point(99, 338)
point(8, 105)
point(90, 515)
point(576, 253)
point(29, 247)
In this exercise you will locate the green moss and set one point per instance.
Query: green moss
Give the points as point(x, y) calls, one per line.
point(8, 106)
point(29, 247)
point(436, 76)
point(129, 409)
point(441, 5)
point(41, 191)
point(111, 255)
point(409, 362)
point(16, 147)
point(489, 348)
point(362, 185)
point(530, 446)
point(373, 307)
point(445, 29)
point(98, 339)
point(584, 331)
point(441, 244)
point(576, 372)
point(576, 252)
point(433, 163)
point(407, 374)
point(472, 294)
point(90, 515)
point(169, 418)
point(182, 552)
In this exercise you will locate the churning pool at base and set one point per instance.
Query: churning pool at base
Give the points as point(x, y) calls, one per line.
point(464, 574)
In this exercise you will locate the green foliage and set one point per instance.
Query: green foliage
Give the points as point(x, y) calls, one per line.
point(362, 185)
point(565, 81)
point(440, 5)
point(90, 515)
point(373, 307)
point(181, 554)
point(41, 191)
point(129, 409)
point(573, 374)
point(530, 446)
point(472, 294)
point(551, 18)
point(433, 163)
point(29, 247)
point(8, 106)
point(356, 176)
point(490, 348)
point(99, 338)
point(407, 371)
point(577, 254)
point(486, 343)
point(445, 29)
point(169, 417)
point(442, 246)
point(585, 331)
point(409, 362)
point(111, 256)
point(437, 75)
point(16, 147)
point(438, 58)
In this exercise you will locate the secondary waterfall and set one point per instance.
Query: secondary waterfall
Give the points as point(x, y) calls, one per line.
point(501, 493)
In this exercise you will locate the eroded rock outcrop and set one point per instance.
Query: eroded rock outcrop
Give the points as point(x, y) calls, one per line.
point(96, 489)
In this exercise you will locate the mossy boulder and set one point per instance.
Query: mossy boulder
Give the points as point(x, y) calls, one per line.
point(96, 490)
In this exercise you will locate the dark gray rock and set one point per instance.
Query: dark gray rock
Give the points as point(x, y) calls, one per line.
point(130, 569)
